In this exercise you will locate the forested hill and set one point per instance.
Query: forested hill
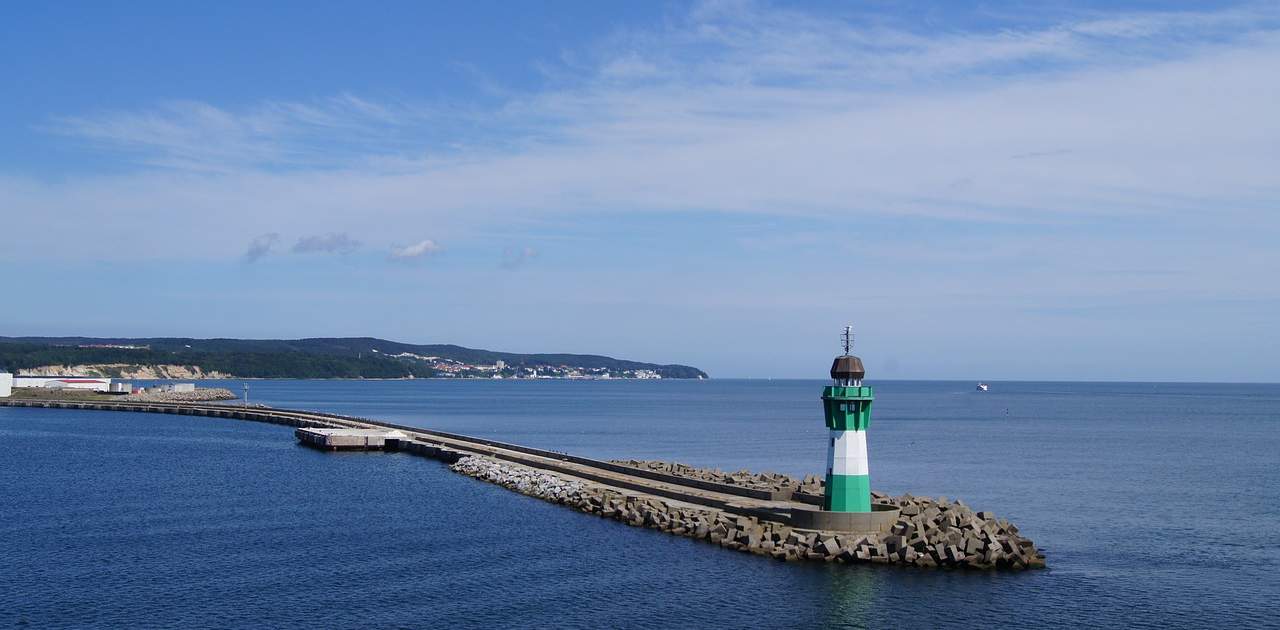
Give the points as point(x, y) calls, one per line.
point(345, 357)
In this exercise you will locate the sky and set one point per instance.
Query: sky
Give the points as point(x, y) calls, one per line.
point(984, 190)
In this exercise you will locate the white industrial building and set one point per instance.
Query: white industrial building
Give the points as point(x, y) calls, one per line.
point(63, 382)
point(6, 384)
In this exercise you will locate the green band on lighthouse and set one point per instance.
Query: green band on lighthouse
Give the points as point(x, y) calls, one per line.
point(847, 408)
point(848, 493)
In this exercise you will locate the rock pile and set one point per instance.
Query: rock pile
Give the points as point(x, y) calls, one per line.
point(744, 478)
point(930, 533)
point(201, 394)
point(812, 485)
point(519, 478)
point(939, 532)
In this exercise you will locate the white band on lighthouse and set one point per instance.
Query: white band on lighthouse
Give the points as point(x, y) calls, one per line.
point(847, 453)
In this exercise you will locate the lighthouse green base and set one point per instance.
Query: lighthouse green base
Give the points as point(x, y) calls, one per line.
point(847, 493)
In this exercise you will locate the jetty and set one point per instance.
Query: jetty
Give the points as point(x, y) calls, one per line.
point(768, 519)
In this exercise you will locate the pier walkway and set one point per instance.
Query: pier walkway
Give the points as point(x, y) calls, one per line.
point(781, 523)
point(450, 447)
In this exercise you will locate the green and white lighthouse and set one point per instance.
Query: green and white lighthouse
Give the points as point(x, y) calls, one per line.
point(847, 405)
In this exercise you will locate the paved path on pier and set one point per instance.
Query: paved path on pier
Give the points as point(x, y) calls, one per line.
point(774, 506)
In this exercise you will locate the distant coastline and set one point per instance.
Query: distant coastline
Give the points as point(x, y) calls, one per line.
point(349, 358)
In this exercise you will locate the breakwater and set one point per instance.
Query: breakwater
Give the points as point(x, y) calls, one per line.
point(929, 533)
point(756, 517)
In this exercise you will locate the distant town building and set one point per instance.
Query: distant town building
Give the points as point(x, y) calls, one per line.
point(6, 384)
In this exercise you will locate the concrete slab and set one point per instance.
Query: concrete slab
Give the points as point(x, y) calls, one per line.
point(350, 439)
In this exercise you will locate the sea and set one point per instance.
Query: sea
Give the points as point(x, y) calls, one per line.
point(1157, 504)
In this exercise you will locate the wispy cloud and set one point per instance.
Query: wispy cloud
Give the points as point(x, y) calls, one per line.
point(331, 243)
point(516, 257)
point(1039, 154)
point(978, 176)
point(739, 108)
point(725, 67)
point(196, 136)
point(417, 250)
point(260, 246)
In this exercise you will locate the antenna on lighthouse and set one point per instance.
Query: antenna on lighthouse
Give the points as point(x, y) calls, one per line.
point(847, 369)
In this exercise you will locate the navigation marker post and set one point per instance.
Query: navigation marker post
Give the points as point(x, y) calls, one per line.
point(847, 405)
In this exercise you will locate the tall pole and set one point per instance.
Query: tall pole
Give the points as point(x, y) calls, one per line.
point(847, 407)
point(246, 394)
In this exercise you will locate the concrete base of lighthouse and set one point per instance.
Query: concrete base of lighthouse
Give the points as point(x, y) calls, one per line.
point(879, 519)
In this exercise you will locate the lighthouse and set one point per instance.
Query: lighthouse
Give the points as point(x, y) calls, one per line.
point(847, 406)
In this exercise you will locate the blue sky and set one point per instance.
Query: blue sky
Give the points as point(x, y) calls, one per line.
point(985, 190)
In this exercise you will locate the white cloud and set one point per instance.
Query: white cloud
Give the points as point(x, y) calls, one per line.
point(420, 249)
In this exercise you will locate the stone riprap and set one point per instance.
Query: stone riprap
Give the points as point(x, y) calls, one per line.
point(744, 478)
point(522, 479)
point(811, 485)
point(201, 394)
point(930, 533)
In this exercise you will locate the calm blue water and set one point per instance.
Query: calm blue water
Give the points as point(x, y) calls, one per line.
point(1158, 505)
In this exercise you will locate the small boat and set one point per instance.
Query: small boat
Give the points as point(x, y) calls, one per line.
point(982, 387)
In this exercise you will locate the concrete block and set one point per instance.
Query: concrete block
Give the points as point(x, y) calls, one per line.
point(830, 547)
point(992, 556)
